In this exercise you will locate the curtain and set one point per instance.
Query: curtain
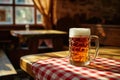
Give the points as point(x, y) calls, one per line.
point(45, 8)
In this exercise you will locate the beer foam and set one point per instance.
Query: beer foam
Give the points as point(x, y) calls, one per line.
point(76, 32)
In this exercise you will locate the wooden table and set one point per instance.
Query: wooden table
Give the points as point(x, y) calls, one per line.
point(26, 61)
point(6, 68)
point(33, 37)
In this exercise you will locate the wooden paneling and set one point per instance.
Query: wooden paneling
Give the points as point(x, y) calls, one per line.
point(109, 35)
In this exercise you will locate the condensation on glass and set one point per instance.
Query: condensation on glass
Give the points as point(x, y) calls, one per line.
point(23, 1)
point(6, 1)
point(24, 15)
point(39, 17)
point(6, 15)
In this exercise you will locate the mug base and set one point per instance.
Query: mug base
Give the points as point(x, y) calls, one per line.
point(79, 63)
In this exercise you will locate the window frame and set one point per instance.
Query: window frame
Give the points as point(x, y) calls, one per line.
point(13, 5)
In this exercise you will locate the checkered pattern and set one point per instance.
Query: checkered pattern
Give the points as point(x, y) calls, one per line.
point(60, 69)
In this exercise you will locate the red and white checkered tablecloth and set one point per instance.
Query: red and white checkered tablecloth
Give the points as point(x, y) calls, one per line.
point(60, 69)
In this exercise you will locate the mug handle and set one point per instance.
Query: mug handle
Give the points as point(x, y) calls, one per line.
point(96, 45)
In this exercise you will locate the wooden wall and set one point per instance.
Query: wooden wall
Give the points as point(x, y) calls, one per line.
point(109, 35)
point(90, 13)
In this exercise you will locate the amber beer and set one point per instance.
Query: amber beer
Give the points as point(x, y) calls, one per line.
point(79, 43)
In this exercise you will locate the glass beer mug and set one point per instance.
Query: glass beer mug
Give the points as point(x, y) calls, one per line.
point(79, 46)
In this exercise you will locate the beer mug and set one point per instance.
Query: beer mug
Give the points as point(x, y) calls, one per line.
point(79, 46)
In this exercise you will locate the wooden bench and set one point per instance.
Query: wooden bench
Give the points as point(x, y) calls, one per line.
point(6, 68)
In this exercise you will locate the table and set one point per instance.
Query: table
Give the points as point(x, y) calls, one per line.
point(27, 61)
point(33, 37)
point(6, 67)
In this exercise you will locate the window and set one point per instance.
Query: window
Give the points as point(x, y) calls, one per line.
point(17, 12)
